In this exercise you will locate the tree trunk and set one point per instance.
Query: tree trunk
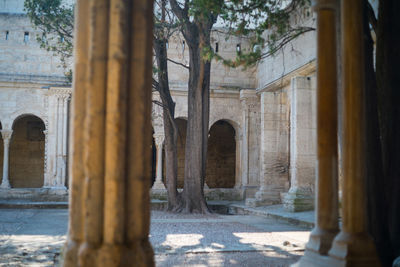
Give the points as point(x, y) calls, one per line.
point(170, 127)
point(376, 199)
point(198, 120)
point(388, 81)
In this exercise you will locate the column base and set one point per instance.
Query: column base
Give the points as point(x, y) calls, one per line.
point(354, 250)
point(313, 259)
point(158, 185)
point(5, 185)
point(321, 240)
point(299, 199)
point(267, 196)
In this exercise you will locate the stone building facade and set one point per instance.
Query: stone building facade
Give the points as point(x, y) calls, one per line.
point(262, 119)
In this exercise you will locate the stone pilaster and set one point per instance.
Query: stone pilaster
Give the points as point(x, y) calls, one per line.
point(159, 140)
point(274, 158)
point(250, 141)
point(238, 164)
point(111, 135)
point(56, 138)
point(302, 145)
point(6, 135)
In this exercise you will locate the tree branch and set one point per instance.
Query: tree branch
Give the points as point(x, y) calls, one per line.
point(177, 63)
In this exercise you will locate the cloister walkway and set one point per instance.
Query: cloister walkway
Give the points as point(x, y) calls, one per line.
point(35, 236)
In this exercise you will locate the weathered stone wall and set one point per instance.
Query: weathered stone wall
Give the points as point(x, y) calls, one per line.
point(27, 153)
point(292, 57)
point(22, 56)
point(221, 75)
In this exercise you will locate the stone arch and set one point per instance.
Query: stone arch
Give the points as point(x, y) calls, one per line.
point(221, 155)
point(231, 121)
point(27, 152)
point(23, 113)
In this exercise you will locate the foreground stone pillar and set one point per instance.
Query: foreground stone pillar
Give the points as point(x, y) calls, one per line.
point(353, 246)
point(111, 135)
point(326, 226)
point(158, 184)
point(6, 134)
point(302, 145)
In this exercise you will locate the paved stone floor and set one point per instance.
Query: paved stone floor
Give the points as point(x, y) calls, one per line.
point(34, 237)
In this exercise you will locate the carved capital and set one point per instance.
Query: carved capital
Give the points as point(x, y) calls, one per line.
point(6, 134)
point(158, 139)
point(248, 94)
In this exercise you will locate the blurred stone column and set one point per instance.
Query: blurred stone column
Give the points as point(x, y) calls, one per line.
point(353, 246)
point(326, 226)
point(111, 135)
point(6, 134)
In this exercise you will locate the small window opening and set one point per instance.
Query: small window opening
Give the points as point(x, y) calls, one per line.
point(7, 34)
point(216, 47)
point(238, 48)
point(26, 37)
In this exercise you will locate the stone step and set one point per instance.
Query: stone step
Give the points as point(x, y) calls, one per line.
point(303, 219)
point(16, 204)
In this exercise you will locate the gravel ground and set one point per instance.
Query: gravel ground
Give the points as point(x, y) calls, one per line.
point(34, 237)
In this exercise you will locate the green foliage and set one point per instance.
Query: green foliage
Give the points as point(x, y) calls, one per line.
point(55, 20)
point(265, 23)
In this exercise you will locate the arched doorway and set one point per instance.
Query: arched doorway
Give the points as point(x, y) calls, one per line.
point(1, 154)
point(27, 150)
point(221, 156)
point(182, 125)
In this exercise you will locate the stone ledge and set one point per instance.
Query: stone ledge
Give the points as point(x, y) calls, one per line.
point(304, 219)
point(9, 204)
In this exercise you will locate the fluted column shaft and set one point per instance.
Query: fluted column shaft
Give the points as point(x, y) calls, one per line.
point(327, 155)
point(6, 134)
point(110, 165)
